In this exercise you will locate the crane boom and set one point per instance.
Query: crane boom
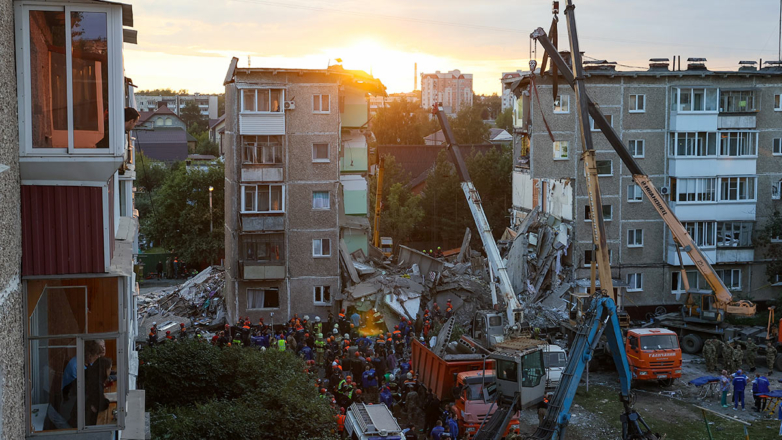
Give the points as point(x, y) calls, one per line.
point(378, 202)
point(680, 235)
point(513, 306)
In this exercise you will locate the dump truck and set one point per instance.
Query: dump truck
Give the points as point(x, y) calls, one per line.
point(653, 354)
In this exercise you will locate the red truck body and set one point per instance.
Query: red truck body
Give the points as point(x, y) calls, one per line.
point(439, 375)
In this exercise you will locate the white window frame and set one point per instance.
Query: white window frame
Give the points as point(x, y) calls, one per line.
point(739, 179)
point(256, 111)
point(557, 147)
point(700, 187)
point(733, 275)
point(746, 143)
point(610, 257)
point(777, 102)
point(696, 144)
point(115, 75)
point(264, 290)
point(328, 152)
point(636, 192)
point(706, 90)
point(328, 201)
point(776, 147)
point(633, 145)
point(319, 97)
point(634, 103)
point(635, 282)
point(320, 254)
point(702, 229)
point(605, 219)
point(255, 202)
point(592, 122)
point(318, 290)
point(776, 190)
point(635, 242)
point(612, 167)
point(563, 99)
point(693, 285)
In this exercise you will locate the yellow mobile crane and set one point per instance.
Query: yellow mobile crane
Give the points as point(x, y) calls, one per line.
point(701, 306)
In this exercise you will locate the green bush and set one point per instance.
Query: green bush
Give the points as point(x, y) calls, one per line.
point(196, 391)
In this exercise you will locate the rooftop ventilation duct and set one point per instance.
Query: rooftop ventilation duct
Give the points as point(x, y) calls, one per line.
point(772, 65)
point(658, 64)
point(600, 66)
point(696, 64)
point(746, 66)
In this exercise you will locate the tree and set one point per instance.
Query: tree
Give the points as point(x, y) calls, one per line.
point(180, 217)
point(402, 213)
point(492, 103)
point(162, 92)
point(401, 123)
point(505, 120)
point(468, 126)
point(220, 104)
point(392, 174)
point(447, 213)
point(205, 146)
point(769, 237)
point(231, 393)
point(491, 174)
point(191, 115)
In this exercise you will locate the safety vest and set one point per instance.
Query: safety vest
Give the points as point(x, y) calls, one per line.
point(320, 346)
point(281, 344)
point(318, 327)
point(340, 422)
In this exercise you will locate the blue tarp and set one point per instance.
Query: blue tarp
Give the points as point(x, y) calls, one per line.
point(775, 393)
point(703, 380)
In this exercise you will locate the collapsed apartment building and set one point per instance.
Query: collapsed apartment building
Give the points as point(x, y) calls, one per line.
point(296, 187)
point(711, 140)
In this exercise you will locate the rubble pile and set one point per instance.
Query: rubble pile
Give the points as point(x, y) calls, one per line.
point(198, 300)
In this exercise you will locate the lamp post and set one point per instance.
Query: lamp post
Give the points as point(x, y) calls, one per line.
point(211, 221)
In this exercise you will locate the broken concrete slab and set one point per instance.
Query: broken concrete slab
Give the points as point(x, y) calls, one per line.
point(347, 261)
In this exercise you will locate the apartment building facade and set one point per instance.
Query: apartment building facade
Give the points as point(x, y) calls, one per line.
point(70, 252)
point(710, 141)
point(453, 89)
point(207, 104)
point(296, 164)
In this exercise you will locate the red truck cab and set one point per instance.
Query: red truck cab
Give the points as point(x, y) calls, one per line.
point(653, 354)
point(470, 403)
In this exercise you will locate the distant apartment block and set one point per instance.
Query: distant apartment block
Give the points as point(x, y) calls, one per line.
point(380, 101)
point(508, 98)
point(296, 164)
point(453, 89)
point(206, 103)
point(711, 141)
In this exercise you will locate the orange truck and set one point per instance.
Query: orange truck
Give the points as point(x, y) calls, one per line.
point(460, 379)
point(653, 354)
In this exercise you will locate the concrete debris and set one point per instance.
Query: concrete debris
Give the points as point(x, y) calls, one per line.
point(196, 302)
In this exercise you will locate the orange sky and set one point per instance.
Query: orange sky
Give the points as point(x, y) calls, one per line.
point(187, 44)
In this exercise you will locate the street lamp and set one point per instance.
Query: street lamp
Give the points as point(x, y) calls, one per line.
point(211, 222)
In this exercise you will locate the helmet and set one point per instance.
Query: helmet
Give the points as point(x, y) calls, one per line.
point(320, 335)
point(352, 326)
point(306, 317)
point(356, 354)
point(322, 391)
point(358, 391)
point(336, 331)
point(168, 332)
point(263, 348)
point(317, 319)
point(369, 359)
point(347, 336)
point(409, 375)
point(391, 378)
point(336, 325)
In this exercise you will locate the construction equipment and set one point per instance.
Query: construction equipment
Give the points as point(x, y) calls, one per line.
point(701, 306)
point(498, 271)
point(378, 202)
point(368, 422)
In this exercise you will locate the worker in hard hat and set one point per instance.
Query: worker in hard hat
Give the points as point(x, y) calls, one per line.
point(317, 326)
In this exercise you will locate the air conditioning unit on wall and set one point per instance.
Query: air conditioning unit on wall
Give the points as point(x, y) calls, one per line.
point(290, 105)
point(664, 190)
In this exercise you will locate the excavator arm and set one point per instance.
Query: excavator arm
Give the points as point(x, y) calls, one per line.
point(498, 269)
point(724, 299)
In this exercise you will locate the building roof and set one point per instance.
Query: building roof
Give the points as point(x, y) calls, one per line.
point(167, 144)
point(160, 111)
point(215, 122)
point(436, 138)
point(498, 134)
point(200, 157)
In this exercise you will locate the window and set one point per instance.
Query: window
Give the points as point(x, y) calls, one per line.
point(262, 100)
point(592, 127)
point(637, 103)
point(737, 188)
point(169, 121)
point(731, 278)
point(562, 104)
point(588, 257)
point(734, 234)
point(321, 247)
point(605, 168)
point(738, 143)
point(777, 103)
point(532, 371)
point(322, 295)
point(694, 278)
point(320, 200)
point(776, 190)
point(635, 282)
point(607, 213)
point(703, 233)
point(320, 152)
point(634, 193)
point(698, 144)
point(561, 150)
point(320, 104)
point(636, 147)
point(635, 237)
point(263, 248)
point(685, 100)
point(777, 148)
point(72, 317)
point(73, 100)
point(263, 298)
point(261, 149)
point(737, 101)
point(263, 198)
point(159, 122)
point(695, 190)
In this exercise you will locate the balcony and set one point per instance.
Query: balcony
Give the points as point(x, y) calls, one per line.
point(261, 223)
point(693, 121)
point(253, 270)
point(711, 166)
point(722, 211)
point(737, 121)
point(262, 174)
point(735, 255)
